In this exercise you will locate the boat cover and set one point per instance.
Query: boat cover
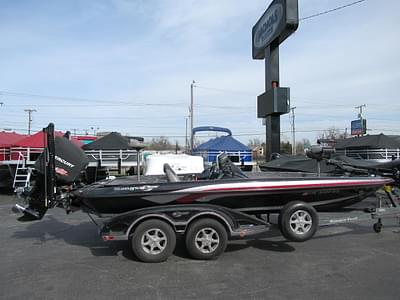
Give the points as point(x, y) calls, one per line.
point(370, 141)
point(111, 141)
point(222, 143)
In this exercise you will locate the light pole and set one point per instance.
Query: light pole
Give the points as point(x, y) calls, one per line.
point(94, 129)
point(191, 115)
point(293, 132)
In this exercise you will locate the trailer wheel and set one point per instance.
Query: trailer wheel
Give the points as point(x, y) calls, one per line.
point(298, 221)
point(206, 239)
point(153, 241)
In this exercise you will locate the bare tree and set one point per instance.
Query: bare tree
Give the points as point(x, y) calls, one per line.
point(161, 143)
point(253, 143)
point(300, 146)
point(332, 133)
point(286, 148)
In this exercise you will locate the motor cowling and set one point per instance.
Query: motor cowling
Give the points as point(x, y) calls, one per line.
point(69, 161)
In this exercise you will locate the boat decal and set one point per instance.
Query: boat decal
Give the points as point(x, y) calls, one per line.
point(63, 161)
point(61, 171)
point(295, 184)
point(189, 198)
point(142, 188)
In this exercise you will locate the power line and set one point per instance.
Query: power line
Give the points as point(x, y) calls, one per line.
point(90, 100)
point(224, 90)
point(102, 103)
point(331, 10)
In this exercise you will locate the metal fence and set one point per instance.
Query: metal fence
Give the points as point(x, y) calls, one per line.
point(110, 158)
point(372, 154)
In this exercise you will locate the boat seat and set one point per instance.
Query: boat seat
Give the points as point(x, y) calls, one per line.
point(170, 173)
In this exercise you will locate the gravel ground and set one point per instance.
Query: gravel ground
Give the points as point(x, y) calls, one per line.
point(62, 257)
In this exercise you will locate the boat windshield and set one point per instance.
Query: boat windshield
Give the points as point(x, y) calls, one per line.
point(228, 168)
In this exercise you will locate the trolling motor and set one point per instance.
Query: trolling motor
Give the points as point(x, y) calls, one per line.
point(319, 153)
point(57, 168)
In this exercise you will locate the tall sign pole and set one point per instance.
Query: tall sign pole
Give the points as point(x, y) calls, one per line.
point(277, 23)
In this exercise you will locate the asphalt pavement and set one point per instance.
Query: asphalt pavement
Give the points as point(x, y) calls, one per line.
point(62, 257)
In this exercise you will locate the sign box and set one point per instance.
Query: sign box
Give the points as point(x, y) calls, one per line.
point(279, 21)
point(359, 127)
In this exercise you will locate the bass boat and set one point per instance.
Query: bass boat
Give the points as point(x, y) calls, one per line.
point(208, 209)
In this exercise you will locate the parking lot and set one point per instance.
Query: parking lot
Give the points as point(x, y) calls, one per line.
point(62, 257)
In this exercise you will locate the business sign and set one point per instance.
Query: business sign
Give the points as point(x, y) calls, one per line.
point(279, 21)
point(359, 127)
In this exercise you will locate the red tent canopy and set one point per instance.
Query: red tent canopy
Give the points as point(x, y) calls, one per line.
point(37, 140)
point(9, 138)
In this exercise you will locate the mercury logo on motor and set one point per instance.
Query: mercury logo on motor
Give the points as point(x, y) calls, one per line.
point(63, 161)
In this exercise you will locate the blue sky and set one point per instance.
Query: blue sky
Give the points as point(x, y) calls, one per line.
point(126, 66)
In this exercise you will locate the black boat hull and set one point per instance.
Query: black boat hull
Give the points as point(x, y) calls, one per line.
point(113, 197)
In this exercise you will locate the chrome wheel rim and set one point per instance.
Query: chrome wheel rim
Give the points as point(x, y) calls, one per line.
point(154, 241)
point(207, 240)
point(300, 222)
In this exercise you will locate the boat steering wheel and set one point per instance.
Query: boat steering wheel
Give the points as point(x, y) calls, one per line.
point(214, 172)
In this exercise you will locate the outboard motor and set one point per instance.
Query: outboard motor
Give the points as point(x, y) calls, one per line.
point(58, 166)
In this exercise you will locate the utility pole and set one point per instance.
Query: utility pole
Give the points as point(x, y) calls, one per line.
point(29, 111)
point(186, 135)
point(191, 115)
point(360, 108)
point(360, 117)
point(293, 132)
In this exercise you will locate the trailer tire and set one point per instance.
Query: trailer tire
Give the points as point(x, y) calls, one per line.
point(153, 241)
point(206, 239)
point(298, 221)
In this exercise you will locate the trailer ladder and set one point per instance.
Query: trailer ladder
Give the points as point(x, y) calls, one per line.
point(22, 173)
